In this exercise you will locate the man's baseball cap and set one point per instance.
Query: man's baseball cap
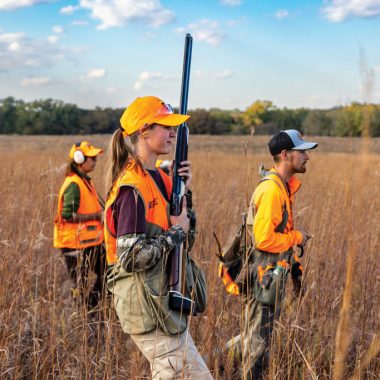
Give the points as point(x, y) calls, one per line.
point(289, 139)
point(148, 110)
point(86, 148)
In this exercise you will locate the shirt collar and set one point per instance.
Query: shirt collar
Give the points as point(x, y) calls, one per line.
point(83, 175)
point(293, 184)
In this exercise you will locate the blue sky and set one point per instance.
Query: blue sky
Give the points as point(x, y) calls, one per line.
point(317, 53)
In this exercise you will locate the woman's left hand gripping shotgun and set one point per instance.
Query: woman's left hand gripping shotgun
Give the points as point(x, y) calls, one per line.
point(177, 260)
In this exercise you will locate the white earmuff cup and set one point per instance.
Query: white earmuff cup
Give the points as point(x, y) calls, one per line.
point(79, 157)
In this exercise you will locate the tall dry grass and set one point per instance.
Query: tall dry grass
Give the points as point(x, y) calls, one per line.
point(43, 335)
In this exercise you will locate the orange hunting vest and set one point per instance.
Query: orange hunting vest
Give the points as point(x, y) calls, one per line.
point(156, 206)
point(84, 234)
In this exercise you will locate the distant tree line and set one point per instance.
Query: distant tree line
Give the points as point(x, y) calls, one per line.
point(55, 117)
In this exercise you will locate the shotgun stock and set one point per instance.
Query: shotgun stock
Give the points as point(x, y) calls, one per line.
point(177, 262)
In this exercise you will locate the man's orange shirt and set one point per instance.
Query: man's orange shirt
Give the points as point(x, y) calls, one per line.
point(269, 199)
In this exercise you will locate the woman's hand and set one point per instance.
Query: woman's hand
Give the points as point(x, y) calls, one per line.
point(181, 220)
point(185, 171)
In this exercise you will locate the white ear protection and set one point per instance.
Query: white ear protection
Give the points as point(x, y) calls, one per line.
point(79, 157)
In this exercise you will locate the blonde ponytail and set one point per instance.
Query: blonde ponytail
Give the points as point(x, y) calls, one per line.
point(119, 153)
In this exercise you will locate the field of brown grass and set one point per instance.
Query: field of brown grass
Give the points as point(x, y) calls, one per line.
point(333, 332)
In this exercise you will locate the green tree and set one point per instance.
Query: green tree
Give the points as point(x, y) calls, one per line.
point(200, 121)
point(8, 115)
point(289, 119)
point(375, 122)
point(349, 121)
point(222, 121)
point(317, 123)
point(257, 114)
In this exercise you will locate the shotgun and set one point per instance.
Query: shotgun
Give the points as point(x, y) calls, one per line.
point(177, 262)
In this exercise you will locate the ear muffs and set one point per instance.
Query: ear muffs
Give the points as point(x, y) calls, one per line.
point(79, 157)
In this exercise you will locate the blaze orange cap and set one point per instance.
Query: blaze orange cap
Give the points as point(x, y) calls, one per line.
point(86, 148)
point(148, 110)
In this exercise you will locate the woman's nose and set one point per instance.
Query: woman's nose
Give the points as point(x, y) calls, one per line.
point(173, 132)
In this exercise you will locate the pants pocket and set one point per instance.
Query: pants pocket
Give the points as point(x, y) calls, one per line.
point(272, 295)
point(169, 321)
point(130, 302)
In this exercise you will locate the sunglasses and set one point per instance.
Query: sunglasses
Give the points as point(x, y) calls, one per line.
point(165, 109)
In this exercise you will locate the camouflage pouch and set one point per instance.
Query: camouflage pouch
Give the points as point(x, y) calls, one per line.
point(195, 285)
point(235, 258)
point(269, 279)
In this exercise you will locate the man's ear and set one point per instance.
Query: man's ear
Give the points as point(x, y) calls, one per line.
point(285, 155)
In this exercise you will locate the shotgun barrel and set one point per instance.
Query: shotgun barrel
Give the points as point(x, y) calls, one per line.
point(177, 262)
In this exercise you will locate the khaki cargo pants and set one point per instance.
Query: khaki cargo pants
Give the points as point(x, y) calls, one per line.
point(253, 344)
point(172, 357)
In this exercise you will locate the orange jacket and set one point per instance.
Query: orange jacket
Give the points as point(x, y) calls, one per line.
point(270, 200)
point(83, 234)
point(156, 206)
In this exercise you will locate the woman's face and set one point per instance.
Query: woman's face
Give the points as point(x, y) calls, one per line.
point(160, 139)
point(89, 165)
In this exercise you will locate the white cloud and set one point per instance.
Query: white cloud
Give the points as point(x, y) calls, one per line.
point(70, 9)
point(223, 74)
point(147, 78)
point(17, 50)
point(78, 50)
point(79, 22)
point(10, 5)
point(116, 13)
point(58, 29)
point(281, 13)
point(138, 85)
point(149, 36)
point(53, 39)
point(9, 38)
point(204, 74)
point(146, 75)
point(14, 46)
point(230, 3)
point(94, 74)
point(34, 81)
point(201, 74)
point(237, 21)
point(205, 30)
point(340, 10)
point(111, 90)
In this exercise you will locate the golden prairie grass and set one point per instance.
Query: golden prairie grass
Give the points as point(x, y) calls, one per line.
point(43, 335)
point(343, 335)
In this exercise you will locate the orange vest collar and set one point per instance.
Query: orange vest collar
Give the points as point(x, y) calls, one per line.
point(156, 206)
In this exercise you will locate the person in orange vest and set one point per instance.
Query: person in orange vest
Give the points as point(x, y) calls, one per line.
point(140, 235)
point(78, 226)
point(271, 220)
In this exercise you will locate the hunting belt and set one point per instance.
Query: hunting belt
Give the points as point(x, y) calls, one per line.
point(266, 257)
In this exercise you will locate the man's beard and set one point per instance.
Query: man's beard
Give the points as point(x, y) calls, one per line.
point(299, 169)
